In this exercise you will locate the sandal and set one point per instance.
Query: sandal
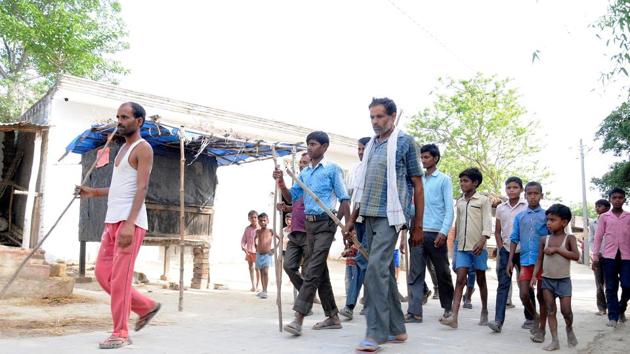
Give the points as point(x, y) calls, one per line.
point(409, 318)
point(394, 339)
point(114, 342)
point(367, 346)
point(294, 328)
point(144, 320)
point(328, 323)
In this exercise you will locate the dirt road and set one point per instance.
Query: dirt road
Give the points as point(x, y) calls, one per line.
point(235, 321)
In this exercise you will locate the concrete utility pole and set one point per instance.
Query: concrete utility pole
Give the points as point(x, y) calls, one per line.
point(586, 253)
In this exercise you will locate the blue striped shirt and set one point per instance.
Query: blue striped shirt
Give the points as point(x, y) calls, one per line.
point(529, 226)
point(438, 202)
point(374, 199)
point(326, 182)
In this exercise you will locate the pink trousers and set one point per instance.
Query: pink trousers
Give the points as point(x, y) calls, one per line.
point(114, 272)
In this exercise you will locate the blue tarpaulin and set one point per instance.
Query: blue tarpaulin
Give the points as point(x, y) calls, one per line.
point(226, 150)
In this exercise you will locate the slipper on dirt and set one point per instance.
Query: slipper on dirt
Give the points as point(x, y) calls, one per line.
point(393, 339)
point(367, 346)
point(144, 320)
point(409, 318)
point(114, 342)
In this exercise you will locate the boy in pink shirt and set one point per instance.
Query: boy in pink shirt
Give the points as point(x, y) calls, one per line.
point(614, 225)
point(249, 247)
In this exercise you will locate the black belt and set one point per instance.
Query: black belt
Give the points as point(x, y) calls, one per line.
point(320, 217)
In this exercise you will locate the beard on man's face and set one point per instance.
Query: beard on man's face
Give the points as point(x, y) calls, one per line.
point(126, 131)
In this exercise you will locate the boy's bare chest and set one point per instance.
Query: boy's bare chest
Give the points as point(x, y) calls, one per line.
point(555, 241)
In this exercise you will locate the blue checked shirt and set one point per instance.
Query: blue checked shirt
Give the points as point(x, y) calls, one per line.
point(374, 199)
point(326, 181)
point(529, 226)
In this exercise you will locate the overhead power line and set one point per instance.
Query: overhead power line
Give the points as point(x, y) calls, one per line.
point(431, 35)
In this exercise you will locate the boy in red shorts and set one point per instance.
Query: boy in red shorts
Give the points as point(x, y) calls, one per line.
point(529, 226)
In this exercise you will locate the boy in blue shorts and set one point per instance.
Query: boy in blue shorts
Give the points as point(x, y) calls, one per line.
point(473, 227)
point(264, 252)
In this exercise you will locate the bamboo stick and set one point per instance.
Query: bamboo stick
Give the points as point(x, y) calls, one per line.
point(407, 265)
point(334, 217)
point(293, 152)
point(277, 253)
point(41, 242)
point(182, 231)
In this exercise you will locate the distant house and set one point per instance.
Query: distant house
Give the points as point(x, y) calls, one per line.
point(44, 180)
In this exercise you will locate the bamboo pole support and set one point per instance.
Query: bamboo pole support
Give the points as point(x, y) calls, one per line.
point(182, 225)
point(41, 242)
point(334, 217)
point(277, 252)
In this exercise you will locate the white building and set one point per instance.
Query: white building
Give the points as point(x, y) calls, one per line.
point(74, 105)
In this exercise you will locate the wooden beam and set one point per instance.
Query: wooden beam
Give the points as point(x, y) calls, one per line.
point(21, 129)
point(182, 223)
point(188, 209)
point(32, 185)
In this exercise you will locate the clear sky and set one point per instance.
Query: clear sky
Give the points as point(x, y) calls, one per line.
point(319, 63)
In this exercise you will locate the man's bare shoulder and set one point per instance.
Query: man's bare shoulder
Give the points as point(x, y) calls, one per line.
point(145, 148)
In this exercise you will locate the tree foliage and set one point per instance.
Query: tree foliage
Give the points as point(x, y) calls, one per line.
point(40, 40)
point(478, 123)
point(576, 210)
point(614, 29)
point(614, 132)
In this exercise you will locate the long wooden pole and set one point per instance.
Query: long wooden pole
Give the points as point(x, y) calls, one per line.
point(334, 217)
point(277, 253)
point(182, 225)
point(30, 197)
point(41, 242)
point(293, 153)
point(407, 265)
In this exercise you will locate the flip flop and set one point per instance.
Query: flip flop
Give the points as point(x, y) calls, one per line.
point(367, 346)
point(409, 318)
point(393, 339)
point(327, 324)
point(144, 320)
point(114, 342)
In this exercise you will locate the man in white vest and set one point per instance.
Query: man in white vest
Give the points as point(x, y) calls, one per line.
point(125, 226)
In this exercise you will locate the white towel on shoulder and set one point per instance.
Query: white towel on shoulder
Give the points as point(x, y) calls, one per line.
point(395, 213)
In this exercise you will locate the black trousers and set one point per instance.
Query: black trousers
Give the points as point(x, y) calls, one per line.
point(600, 285)
point(319, 238)
point(439, 258)
point(295, 253)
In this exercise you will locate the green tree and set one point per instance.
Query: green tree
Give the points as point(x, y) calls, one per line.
point(479, 123)
point(614, 132)
point(44, 39)
point(576, 210)
point(614, 29)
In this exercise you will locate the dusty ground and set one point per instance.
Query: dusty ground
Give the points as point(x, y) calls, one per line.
point(235, 321)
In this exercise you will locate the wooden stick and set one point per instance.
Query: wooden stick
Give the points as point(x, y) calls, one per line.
point(407, 250)
point(293, 152)
point(334, 217)
point(398, 118)
point(39, 244)
point(182, 217)
point(277, 254)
